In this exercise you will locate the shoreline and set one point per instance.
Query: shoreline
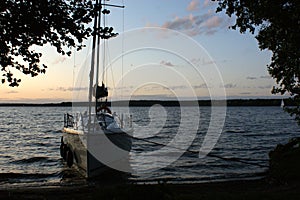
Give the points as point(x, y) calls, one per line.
point(236, 189)
point(149, 103)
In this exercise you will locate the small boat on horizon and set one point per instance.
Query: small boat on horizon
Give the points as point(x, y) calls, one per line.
point(282, 103)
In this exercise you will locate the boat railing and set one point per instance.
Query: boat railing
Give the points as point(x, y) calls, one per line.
point(79, 121)
point(126, 120)
point(69, 121)
point(123, 121)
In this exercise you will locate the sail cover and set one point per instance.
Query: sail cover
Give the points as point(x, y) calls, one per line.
point(100, 91)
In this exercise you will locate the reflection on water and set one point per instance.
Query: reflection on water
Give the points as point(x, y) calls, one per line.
point(30, 140)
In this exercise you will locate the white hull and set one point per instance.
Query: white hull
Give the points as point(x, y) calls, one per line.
point(98, 153)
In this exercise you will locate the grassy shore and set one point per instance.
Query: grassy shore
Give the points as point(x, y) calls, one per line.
point(249, 189)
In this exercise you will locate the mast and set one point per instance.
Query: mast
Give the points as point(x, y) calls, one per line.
point(99, 92)
point(92, 67)
point(98, 54)
point(97, 35)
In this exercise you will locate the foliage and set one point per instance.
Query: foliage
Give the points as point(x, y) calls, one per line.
point(284, 162)
point(28, 23)
point(277, 27)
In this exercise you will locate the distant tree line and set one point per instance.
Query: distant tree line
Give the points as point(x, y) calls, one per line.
point(149, 103)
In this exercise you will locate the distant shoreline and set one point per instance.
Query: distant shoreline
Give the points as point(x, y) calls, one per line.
point(149, 103)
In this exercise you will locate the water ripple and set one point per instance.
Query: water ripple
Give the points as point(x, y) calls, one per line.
point(30, 139)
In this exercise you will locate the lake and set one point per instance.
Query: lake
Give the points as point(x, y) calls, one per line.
point(30, 140)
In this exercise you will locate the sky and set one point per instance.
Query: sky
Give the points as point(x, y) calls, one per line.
point(171, 49)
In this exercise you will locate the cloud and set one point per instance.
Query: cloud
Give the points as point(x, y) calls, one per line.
point(230, 85)
point(59, 60)
point(265, 87)
point(152, 97)
point(261, 77)
point(68, 89)
point(64, 89)
point(187, 22)
point(208, 3)
point(193, 6)
point(213, 22)
point(202, 61)
point(33, 100)
point(152, 87)
point(194, 25)
point(245, 93)
point(178, 87)
point(78, 89)
point(265, 77)
point(251, 78)
point(200, 86)
point(166, 63)
point(12, 92)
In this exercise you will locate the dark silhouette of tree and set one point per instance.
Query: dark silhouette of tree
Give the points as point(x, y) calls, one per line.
point(276, 25)
point(27, 23)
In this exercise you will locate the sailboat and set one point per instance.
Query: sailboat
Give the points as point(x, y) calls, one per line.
point(282, 104)
point(95, 140)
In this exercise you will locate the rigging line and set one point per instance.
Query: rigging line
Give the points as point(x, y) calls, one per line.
point(98, 47)
point(74, 66)
point(122, 65)
point(79, 82)
point(233, 159)
point(89, 42)
point(104, 46)
point(109, 66)
point(108, 61)
point(106, 51)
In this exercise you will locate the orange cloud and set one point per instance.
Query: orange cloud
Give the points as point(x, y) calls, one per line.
point(213, 22)
point(59, 60)
point(193, 6)
point(194, 25)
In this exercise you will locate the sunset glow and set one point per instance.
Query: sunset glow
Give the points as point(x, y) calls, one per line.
point(242, 66)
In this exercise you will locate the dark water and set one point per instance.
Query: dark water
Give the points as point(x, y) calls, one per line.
point(30, 139)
